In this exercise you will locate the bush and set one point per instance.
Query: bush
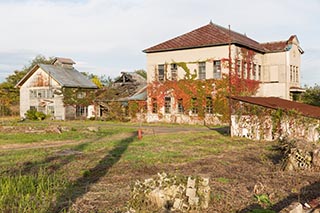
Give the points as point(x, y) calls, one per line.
point(33, 114)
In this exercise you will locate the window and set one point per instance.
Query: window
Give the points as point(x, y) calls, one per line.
point(81, 94)
point(249, 69)
point(238, 68)
point(167, 105)
point(297, 74)
point(81, 111)
point(259, 73)
point(217, 69)
point(40, 93)
point(245, 71)
point(174, 71)
point(50, 110)
point(202, 70)
point(154, 105)
point(194, 106)
point(254, 72)
point(161, 72)
point(291, 73)
point(209, 105)
point(180, 106)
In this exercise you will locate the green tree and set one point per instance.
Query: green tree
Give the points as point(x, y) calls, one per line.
point(142, 72)
point(9, 95)
point(312, 95)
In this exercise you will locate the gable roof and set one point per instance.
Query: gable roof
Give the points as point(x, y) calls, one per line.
point(66, 77)
point(206, 36)
point(278, 103)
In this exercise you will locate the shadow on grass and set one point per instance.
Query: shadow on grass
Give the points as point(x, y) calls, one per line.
point(306, 194)
point(56, 161)
point(93, 175)
point(223, 130)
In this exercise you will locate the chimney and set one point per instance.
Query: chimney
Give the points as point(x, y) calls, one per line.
point(63, 62)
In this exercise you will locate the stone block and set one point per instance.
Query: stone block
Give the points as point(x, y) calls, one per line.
point(191, 192)
point(295, 207)
point(191, 182)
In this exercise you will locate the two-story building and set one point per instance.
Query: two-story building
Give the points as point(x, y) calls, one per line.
point(45, 87)
point(206, 52)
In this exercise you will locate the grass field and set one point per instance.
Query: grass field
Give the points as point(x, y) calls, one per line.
point(91, 165)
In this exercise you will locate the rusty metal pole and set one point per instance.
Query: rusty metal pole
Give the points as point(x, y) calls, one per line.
point(230, 91)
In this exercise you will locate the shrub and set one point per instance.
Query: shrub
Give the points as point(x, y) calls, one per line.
point(33, 114)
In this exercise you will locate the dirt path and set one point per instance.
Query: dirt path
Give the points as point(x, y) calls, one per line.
point(147, 130)
point(50, 144)
point(38, 145)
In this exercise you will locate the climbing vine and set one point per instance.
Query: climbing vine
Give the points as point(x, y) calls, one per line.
point(78, 96)
point(198, 91)
point(272, 123)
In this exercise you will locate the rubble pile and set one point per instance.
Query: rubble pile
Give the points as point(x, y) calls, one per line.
point(170, 193)
point(299, 154)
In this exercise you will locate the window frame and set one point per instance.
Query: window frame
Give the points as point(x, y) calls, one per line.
point(167, 105)
point(217, 69)
point(174, 71)
point(202, 70)
point(209, 105)
point(161, 72)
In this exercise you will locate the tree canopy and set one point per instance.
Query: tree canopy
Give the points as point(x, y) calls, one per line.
point(9, 95)
point(312, 95)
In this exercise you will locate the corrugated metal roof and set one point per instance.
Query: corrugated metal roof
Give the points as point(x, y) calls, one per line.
point(67, 77)
point(278, 103)
point(140, 95)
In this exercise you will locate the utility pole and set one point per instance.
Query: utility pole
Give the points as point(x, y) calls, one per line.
point(230, 67)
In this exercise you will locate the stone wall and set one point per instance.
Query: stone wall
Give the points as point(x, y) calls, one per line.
point(265, 128)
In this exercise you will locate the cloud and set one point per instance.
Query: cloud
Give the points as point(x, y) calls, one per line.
point(108, 36)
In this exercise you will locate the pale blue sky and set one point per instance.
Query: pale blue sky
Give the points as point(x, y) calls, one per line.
point(106, 37)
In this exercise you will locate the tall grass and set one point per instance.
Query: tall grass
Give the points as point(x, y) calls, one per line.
point(29, 193)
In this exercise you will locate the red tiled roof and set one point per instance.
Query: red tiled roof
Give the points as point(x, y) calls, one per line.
point(206, 36)
point(278, 103)
point(277, 46)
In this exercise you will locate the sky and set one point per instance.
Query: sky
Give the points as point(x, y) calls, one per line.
point(106, 37)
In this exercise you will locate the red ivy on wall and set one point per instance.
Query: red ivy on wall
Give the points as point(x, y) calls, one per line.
point(218, 89)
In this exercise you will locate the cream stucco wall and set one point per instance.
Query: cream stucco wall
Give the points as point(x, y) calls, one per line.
point(276, 72)
point(275, 67)
point(189, 56)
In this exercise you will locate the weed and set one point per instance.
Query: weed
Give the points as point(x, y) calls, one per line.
point(29, 193)
point(223, 180)
point(263, 199)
